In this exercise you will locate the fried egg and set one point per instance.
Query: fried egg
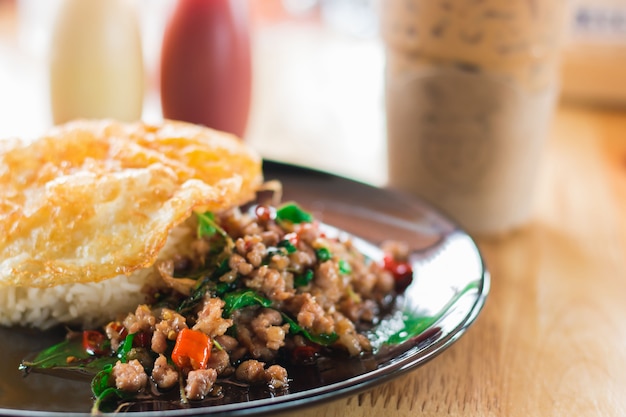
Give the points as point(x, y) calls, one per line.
point(95, 199)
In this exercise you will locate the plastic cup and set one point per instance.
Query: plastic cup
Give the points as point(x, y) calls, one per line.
point(470, 90)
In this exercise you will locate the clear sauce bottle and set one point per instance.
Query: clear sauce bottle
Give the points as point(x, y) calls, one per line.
point(96, 62)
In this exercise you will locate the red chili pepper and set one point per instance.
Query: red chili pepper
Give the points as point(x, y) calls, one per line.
point(304, 354)
point(192, 349)
point(402, 271)
point(142, 339)
point(94, 342)
point(119, 328)
point(263, 213)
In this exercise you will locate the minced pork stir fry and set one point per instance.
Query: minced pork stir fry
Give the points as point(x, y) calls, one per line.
point(253, 289)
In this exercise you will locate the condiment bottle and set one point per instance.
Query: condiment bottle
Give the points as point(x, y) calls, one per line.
point(96, 61)
point(206, 64)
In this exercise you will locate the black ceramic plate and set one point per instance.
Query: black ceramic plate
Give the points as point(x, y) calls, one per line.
point(450, 285)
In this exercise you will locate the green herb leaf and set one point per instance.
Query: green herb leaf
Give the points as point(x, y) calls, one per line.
point(240, 299)
point(324, 339)
point(103, 390)
point(100, 381)
point(344, 267)
point(289, 247)
point(56, 355)
point(405, 325)
point(68, 355)
point(98, 404)
point(208, 283)
point(291, 212)
point(206, 224)
point(413, 325)
point(208, 227)
point(323, 254)
point(304, 279)
point(125, 347)
point(225, 287)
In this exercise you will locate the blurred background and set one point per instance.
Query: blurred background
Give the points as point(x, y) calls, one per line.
point(317, 81)
point(317, 77)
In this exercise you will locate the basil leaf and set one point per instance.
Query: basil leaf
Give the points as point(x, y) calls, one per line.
point(324, 339)
point(291, 212)
point(100, 382)
point(289, 247)
point(225, 287)
point(323, 254)
point(304, 279)
point(240, 299)
point(68, 355)
point(344, 267)
point(406, 324)
point(125, 347)
point(98, 404)
point(103, 389)
point(208, 227)
point(206, 284)
point(206, 224)
point(56, 356)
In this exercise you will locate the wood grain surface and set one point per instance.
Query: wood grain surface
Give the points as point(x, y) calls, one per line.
point(551, 340)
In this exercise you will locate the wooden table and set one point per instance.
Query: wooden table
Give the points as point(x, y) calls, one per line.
point(551, 340)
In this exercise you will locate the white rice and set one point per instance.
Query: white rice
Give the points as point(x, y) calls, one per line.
point(89, 305)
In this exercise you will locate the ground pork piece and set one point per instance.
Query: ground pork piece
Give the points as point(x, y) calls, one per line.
point(270, 282)
point(164, 374)
point(228, 343)
point(348, 336)
point(239, 264)
point(275, 228)
point(238, 353)
point(220, 361)
point(141, 320)
point(266, 327)
point(199, 383)
point(130, 376)
point(116, 332)
point(255, 347)
point(240, 224)
point(256, 254)
point(309, 314)
point(270, 237)
point(210, 319)
point(364, 283)
point(240, 246)
point(276, 376)
point(357, 310)
point(159, 342)
point(308, 232)
point(251, 228)
point(302, 260)
point(279, 262)
point(252, 248)
point(330, 282)
point(251, 371)
point(385, 283)
point(167, 329)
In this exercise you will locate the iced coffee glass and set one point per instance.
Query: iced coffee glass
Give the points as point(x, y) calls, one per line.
point(471, 86)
